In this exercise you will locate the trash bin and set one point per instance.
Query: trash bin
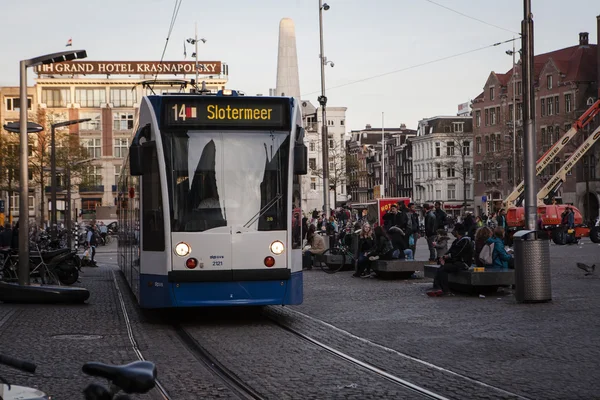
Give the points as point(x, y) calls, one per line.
point(532, 267)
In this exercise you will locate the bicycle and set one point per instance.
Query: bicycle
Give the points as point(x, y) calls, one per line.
point(334, 258)
point(135, 378)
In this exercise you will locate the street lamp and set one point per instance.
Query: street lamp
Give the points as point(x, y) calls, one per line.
point(194, 41)
point(23, 159)
point(53, 127)
point(514, 115)
point(323, 102)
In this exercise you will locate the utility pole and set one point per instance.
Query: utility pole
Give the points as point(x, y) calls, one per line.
point(382, 157)
point(323, 103)
point(529, 118)
point(514, 118)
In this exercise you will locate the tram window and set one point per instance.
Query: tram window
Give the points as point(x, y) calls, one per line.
point(153, 238)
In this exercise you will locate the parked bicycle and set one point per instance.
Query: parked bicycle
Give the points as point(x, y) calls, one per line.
point(135, 378)
point(335, 258)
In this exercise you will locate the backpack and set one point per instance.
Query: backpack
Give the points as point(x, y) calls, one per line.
point(486, 254)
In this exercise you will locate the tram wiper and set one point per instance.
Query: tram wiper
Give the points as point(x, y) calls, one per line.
point(263, 210)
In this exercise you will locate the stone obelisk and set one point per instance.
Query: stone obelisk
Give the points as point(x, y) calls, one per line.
point(288, 81)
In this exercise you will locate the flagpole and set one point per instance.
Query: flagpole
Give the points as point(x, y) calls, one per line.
point(196, 44)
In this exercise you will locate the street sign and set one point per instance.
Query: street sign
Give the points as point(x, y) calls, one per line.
point(483, 199)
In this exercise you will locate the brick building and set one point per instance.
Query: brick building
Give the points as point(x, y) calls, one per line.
point(565, 86)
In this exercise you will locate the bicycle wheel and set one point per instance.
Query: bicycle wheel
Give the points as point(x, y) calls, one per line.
point(333, 260)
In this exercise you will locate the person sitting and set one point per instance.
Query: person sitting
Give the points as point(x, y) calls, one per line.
point(315, 245)
point(366, 243)
point(441, 243)
point(481, 237)
point(459, 257)
point(384, 250)
point(501, 259)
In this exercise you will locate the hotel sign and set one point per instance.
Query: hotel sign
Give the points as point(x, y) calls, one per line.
point(129, 68)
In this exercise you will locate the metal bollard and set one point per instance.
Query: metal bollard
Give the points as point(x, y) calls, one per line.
point(532, 268)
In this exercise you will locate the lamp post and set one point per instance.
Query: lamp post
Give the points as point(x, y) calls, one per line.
point(53, 127)
point(323, 102)
point(194, 41)
point(514, 115)
point(23, 159)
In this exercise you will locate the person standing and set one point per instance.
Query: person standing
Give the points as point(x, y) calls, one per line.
point(92, 241)
point(430, 230)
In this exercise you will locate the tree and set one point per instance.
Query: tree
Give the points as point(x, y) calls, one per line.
point(337, 168)
point(9, 167)
point(69, 153)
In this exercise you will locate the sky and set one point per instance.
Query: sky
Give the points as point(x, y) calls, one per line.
point(364, 39)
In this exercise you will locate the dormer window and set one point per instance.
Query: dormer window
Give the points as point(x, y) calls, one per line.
point(492, 93)
point(549, 81)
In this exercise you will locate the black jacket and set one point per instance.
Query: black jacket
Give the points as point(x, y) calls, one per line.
point(461, 251)
point(431, 225)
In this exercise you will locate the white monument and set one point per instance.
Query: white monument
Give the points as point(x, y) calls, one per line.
point(288, 81)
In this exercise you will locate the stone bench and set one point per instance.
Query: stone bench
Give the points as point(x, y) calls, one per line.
point(467, 281)
point(396, 268)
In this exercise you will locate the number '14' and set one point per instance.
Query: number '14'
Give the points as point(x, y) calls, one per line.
point(179, 113)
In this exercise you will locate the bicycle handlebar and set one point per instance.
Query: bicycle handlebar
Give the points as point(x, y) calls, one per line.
point(17, 364)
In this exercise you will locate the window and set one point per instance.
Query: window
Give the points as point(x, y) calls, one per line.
point(492, 93)
point(56, 97)
point(449, 148)
point(153, 223)
point(330, 122)
point(468, 191)
point(519, 111)
point(487, 144)
point(556, 105)
point(342, 122)
point(478, 145)
point(313, 183)
point(331, 144)
point(451, 192)
point(568, 105)
point(487, 117)
point(90, 97)
point(458, 126)
point(311, 145)
point(543, 107)
point(94, 124)
point(438, 194)
point(122, 121)
point(438, 149)
point(466, 149)
point(493, 116)
point(438, 168)
point(121, 146)
point(93, 146)
point(519, 88)
point(509, 169)
point(499, 142)
point(122, 97)
point(550, 106)
point(550, 136)
point(567, 128)
point(92, 176)
point(478, 118)
point(478, 172)
point(312, 163)
point(544, 137)
point(117, 174)
point(450, 172)
point(493, 143)
point(14, 203)
point(549, 81)
point(511, 109)
point(14, 103)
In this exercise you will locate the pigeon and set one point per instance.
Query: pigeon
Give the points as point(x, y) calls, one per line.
point(589, 270)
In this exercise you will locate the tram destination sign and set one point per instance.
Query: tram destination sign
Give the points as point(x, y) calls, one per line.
point(209, 112)
point(129, 68)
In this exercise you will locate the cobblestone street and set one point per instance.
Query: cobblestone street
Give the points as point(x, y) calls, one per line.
point(460, 347)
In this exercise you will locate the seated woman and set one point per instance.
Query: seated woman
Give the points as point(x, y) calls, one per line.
point(384, 250)
point(501, 259)
point(317, 246)
point(366, 243)
point(481, 237)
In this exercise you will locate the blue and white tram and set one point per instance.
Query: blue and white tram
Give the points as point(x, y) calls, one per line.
point(209, 201)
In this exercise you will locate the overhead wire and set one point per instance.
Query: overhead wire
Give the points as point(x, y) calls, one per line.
point(414, 66)
point(171, 26)
point(470, 17)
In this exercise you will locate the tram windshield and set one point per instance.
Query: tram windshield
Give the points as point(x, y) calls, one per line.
point(228, 178)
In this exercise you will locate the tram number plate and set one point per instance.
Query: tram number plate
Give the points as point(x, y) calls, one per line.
point(217, 263)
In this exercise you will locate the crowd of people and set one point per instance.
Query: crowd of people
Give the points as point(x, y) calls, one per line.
point(403, 225)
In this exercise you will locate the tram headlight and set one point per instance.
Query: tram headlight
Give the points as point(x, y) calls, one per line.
point(277, 247)
point(182, 249)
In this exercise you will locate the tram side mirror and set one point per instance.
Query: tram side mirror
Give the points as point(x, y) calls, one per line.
point(136, 156)
point(300, 159)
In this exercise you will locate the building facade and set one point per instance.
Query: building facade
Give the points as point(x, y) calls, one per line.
point(109, 94)
point(312, 183)
point(364, 163)
point(565, 86)
point(442, 155)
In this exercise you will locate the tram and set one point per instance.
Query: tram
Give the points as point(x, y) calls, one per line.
point(208, 201)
